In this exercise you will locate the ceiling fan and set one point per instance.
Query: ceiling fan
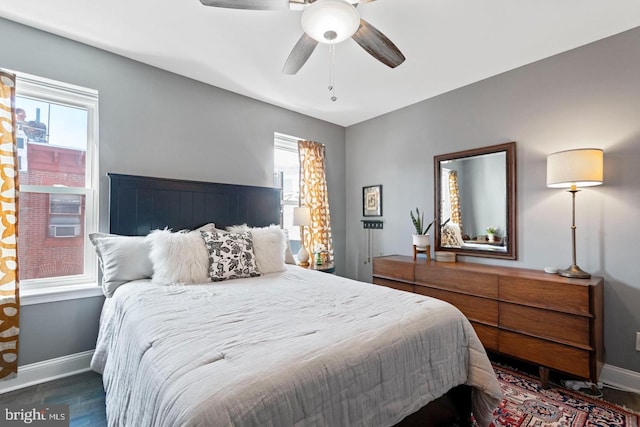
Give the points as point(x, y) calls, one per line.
point(324, 21)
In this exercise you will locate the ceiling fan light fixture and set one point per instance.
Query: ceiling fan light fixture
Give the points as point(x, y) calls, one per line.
point(330, 21)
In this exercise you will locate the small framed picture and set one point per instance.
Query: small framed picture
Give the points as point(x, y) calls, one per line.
point(372, 200)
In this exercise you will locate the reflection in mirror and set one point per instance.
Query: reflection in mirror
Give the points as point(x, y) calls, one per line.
point(475, 203)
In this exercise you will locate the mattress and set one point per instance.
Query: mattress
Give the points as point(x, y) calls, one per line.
point(297, 348)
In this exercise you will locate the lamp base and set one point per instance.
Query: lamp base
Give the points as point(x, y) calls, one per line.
point(574, 272)
point(303, 257)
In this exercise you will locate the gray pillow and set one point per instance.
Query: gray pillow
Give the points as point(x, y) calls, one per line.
point(122, 259)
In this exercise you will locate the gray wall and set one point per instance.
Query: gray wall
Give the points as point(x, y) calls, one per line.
point(587, 97)
point(57, 329)
point(156, 123)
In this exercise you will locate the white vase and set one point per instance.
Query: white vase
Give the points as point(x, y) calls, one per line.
point(491, 237)
point(303, 256)
point(421, 241)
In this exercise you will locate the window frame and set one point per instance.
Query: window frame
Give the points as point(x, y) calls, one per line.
point(79, 97)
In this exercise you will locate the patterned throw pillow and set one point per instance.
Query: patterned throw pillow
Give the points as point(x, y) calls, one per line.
point(451, 236)
point(269, 246)
point(230, 255)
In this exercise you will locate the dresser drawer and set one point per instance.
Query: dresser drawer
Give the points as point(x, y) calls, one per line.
point(475, 308)
point(488, 335)
point(552, 355)
point(481, 284)
point(390, 267)
point(553, 325)
point(569, 298)
point(408, 287)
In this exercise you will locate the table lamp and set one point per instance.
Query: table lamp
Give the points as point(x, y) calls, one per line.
point(302, 218)
point(572, 169)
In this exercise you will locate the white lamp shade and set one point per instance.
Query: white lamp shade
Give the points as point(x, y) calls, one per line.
point(582, 168)
point(302, 216)
point(337, 16)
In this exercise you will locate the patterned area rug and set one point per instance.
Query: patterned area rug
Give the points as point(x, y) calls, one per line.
point(527, 404)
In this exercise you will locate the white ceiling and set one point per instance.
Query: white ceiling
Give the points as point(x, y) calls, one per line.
point(447, 43)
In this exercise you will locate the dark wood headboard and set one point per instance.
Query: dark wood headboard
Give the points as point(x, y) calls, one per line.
point(140, 204)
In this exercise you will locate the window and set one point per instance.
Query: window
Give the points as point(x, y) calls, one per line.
point(57, 137)
point(287, 177)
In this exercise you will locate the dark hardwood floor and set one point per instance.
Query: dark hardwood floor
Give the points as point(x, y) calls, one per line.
point(83, 393)
point(85, 397)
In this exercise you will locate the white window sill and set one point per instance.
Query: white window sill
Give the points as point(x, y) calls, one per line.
point(59, 293)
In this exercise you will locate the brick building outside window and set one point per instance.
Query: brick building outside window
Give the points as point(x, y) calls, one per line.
point(51, 225)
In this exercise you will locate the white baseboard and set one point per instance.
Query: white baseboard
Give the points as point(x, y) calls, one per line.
point(620, 378)
point(47, 370)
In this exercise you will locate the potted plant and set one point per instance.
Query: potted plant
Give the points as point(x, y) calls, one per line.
point(491, 233)
point(421, 237)
point(319, 251)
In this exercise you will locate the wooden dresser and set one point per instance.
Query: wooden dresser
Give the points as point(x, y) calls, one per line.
point(545, 319)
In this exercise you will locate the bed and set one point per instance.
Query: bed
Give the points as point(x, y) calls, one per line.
point(292, 347)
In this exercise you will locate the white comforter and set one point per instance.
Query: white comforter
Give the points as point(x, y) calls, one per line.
point(298, 348)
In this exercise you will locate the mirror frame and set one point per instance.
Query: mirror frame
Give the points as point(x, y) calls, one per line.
point(512, 246)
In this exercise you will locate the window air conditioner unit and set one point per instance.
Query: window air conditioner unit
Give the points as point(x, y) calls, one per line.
point(67, 204)
point(64, 230)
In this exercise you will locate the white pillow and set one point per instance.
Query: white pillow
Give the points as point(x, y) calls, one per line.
point(178, 258)
point(122, 259)
point(269, 246)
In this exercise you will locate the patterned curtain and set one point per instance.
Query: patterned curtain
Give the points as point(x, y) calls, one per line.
point(313, 193)
point(9, 296)
point(454, 194)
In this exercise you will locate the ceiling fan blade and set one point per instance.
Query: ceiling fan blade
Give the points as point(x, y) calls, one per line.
point(249, 4)
point(299, 54)
point(378, 45)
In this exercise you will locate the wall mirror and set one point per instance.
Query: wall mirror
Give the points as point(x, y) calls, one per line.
point(475, 194)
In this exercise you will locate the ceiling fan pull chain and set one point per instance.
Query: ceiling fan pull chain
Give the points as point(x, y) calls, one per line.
point(332, 72)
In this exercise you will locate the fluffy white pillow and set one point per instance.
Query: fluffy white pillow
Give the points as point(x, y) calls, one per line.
point(121, 259)
point(269, 246)
point(178, 258)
